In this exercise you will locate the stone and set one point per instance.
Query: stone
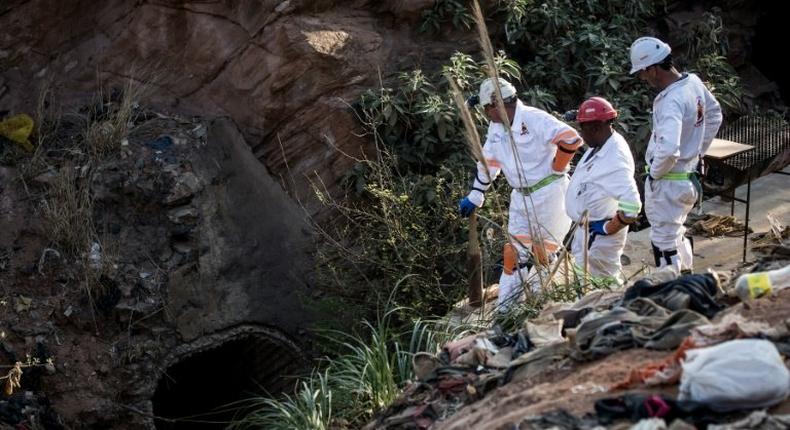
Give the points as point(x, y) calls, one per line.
point(183, 215)
point(186, 185)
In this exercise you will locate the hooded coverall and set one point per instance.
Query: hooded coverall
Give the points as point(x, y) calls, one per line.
point(537, 202)
point(686, 118)
point(602, 184)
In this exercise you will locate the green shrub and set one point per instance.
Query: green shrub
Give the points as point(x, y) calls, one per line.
point(367, 373)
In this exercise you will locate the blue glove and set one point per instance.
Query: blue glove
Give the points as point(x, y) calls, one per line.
point(599, 227)
point(466, 207)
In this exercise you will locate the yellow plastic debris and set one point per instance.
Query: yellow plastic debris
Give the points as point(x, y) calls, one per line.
point(18, 128)
point(759, 284)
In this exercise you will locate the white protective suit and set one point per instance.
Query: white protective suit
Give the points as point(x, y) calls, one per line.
point(603, 183)
point(537, 136)
point(686, 118)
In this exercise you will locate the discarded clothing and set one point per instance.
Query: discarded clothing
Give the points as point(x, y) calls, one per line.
point(695, 292)
point(623, 328)
point(424, 364)
point(518, 341)
point(543, 332)
point(482, 351)
point(572, 314)
point(456, 348)
point(416, 417)
point(538, 362)
point(735, 326)
point(650, 424)
point(559, 419)
point(501, 359)
point(666, 371)
point(758, 420)
point(672, 331)
point(739, 374)
point(635, 407)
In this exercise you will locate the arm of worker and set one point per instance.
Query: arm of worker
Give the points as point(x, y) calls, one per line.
point(624, 190)
point(621, 187)
point(713, 120)
point(667, 140)
point(567, 141)
point(485, 173)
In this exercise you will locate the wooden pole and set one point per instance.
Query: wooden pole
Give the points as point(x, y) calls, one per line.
point(474, 265)
point(586, 266)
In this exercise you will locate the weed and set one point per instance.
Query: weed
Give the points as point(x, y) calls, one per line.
point(68, 211)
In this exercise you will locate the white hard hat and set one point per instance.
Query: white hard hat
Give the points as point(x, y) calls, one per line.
point(647, 51)
point(487, 91)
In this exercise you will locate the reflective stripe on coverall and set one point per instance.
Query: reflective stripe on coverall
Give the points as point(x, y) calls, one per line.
point(686, 118)
point(603, 183)
point(537, 136)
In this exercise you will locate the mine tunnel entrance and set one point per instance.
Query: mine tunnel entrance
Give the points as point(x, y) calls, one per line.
point(195, 391)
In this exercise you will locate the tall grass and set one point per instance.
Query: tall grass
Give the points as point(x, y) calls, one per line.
point(68, 212)
point(368, 373)
point(309, 408)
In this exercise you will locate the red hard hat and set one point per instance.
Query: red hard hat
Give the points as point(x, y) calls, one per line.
point(596, 109)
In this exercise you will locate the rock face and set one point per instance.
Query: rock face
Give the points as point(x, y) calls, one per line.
point(246, 269)
point(194, 240)
point(285, 71)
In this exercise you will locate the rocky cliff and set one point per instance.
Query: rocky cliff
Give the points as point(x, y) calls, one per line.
point(286, 72)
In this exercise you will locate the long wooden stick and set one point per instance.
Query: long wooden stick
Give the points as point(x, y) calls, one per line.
point(474, 259)
point(586, 249)
point(474, 265)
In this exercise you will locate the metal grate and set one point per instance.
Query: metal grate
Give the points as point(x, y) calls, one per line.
point(769, 136)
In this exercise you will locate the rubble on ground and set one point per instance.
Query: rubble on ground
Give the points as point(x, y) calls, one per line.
point(711, 225)
point(668, 351)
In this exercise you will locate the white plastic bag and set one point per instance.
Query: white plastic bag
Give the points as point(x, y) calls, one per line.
point(739, 374)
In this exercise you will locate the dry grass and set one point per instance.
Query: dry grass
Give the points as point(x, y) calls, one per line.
point(110, 123)
point(47, 120)
point(68, 212)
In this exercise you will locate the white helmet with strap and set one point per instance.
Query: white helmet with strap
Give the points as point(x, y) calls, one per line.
point(488, 92)
point(647, 51)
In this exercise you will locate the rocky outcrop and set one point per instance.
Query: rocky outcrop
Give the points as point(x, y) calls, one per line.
point(285, 71)
point(250, 245)
point(194, 242)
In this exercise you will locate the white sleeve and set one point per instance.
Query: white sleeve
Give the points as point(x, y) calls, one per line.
point(713, 119)
point(624, 190)
point(483, 178)
point(667, 139)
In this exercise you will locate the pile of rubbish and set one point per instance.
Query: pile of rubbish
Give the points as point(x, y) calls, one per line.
point(715, 356)
point(773, 241)
point(717, 225)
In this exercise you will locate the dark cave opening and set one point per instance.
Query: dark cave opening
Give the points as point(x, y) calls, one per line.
point(194, 393)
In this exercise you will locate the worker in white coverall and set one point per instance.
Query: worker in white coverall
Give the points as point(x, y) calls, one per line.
point(602, 184)
point(686, 118)
point(535, 166)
